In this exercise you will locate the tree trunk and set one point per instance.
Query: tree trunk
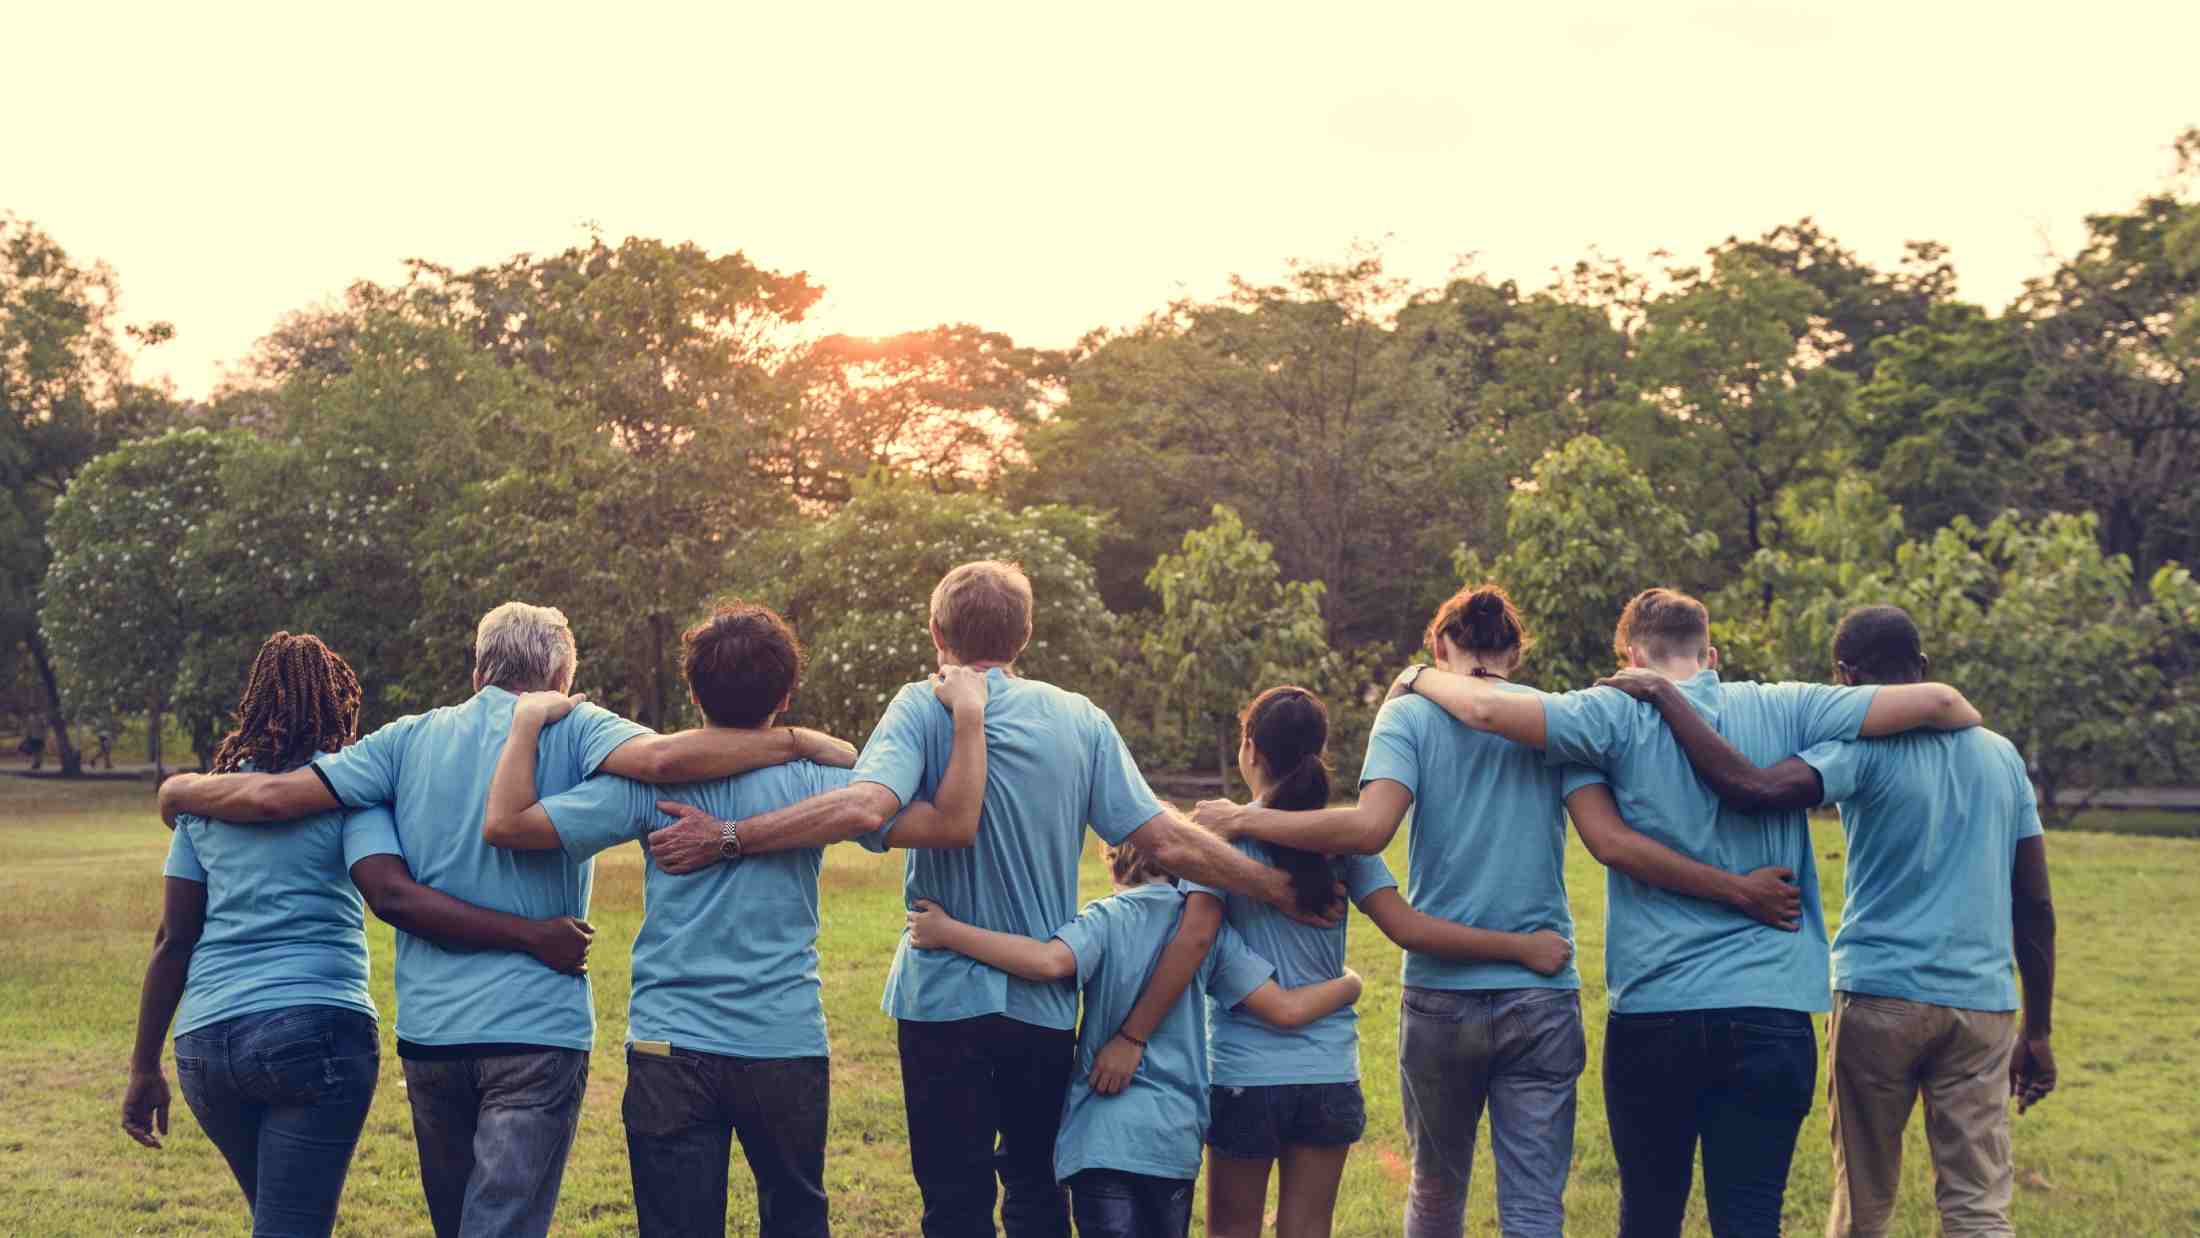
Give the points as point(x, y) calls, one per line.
point(153, 718)
point(1222, 756)
point(72, 763)
point(654, 686)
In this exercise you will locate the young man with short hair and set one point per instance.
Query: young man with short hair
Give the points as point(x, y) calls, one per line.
point(495, 1047)
point(726, 1029)
point(986, 1056)
point(1709, 1036)
point(1946, 880)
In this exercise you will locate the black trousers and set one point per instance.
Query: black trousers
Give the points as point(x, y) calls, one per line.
point(1740, 1081)
point(682, 1115)
point(984, 1098)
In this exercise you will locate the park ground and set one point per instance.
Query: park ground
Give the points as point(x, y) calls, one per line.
point(2116, 1150)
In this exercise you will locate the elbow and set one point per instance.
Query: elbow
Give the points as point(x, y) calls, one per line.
point(263, 801)
point(864, 818)
point(496, 831)
point(1369, 839)
point(1955, 711)
point(661, 765)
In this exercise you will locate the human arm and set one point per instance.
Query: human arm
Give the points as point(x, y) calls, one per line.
point(2032, 920)
point(182, 918)
point(1272, 1003)
point(1517, 716)
point(1180, 961)
point(1364, 828)
point(1543, 951)
point(1767, 895)
point(703, 753)
point(1187, 852)
point(950, 818)
point(512, 817)
point(1741, 782)
point(1896, 708)
point(931, 928)
point(246, 799)
point(559, 943)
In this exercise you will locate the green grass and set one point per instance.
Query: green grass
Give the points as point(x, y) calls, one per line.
point(2115, 1151)
point(2140, 822)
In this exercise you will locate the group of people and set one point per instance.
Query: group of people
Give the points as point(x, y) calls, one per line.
point(1217, 1014)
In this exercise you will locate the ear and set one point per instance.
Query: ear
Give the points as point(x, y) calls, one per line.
point(1636, 658)
point(1924, 669)
point(939, 647)
point(697, 702)
point(784, 702)
point(477, 679)
point(1710, 657)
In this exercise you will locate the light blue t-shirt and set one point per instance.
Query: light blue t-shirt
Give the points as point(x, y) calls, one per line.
point(1487, 846)
point(1246, 1051)
point(726, 960)
point(1933, 819)
point(434, 769)
point(1053, 765)
point(1666, 951)
point(284, 925)
point(1157, 1124)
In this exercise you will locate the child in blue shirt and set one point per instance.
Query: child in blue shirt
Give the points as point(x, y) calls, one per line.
point(1131, 1159)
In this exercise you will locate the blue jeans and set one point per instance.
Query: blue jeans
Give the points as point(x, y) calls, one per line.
point(284, 1094)
point(682, 1114)
point(1518, 1051)
point(493, 1133)
point(1109, 1203)
point(1740, 1080)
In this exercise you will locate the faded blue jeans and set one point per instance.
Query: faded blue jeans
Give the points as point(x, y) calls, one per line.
point(494, 1132)
point(1516, 1051)
point(284, 1094)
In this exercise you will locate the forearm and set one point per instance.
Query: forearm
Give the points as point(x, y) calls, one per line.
point(512, 786)
point(1464, 943)
point(1518, 716)
point(404, 903)
point(162, 992)
point(819, 821)
point(1653, 863)
point(1329, 831)
point(1179, 962)
point(2034, 927)
point(1192, 854)
point(246, 799)
point(1733, 777)
point(1319, 1001)
point(961, 793)
point(703, 753)
point(1026, 957)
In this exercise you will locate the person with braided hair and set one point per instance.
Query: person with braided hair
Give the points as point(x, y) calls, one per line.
point(261, 957)
point(495, 1047)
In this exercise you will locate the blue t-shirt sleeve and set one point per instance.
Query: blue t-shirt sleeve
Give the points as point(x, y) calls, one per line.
point(1086, 936)
point(1121, 800)
point(370, 831)
point(1394, 747)
point(1232, 970)
point(1584, 727)
point(365, 774)
point(183, 858)
point(1574, 777)
point(1841, 767)
point(894, 755)
point(596, 733)
point(1823, 712)
point(597, 814)
point(820, 779)
point(1365, 874)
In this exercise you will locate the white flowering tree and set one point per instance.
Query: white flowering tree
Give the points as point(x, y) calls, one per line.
point(857, 586)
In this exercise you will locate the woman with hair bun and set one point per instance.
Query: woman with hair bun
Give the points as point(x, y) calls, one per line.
point(1291, 1097)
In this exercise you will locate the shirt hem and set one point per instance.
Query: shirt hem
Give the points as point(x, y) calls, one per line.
point(1738, 1001)
point(185, 1028)
point(1174, 1173)
point(1281, 1081)
point(498, 1036)
point(1867, 988)
point(720, 1048)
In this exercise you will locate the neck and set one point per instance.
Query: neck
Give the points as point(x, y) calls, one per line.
point(1483, 663)
point(1260, 784)
point(1680, 670)
point(981, 666)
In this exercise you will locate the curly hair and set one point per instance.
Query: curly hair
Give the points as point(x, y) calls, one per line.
point(300, 700)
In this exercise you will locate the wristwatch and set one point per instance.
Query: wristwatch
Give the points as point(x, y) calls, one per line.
point(729, 841)
point(1413, 673)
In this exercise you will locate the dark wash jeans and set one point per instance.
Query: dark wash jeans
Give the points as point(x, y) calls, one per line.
point(284, 1094)
point(494, 1132)
point(984, 1098)
point(682, 1114)
point(1110, 1203)
point(1741, 1080)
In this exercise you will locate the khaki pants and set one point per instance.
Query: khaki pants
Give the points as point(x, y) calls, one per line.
point(1881, 1053)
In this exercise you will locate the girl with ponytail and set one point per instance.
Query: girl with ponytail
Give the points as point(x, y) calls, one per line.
point(1293, 1096)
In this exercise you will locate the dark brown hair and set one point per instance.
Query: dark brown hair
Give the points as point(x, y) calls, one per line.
point(1665, 622)
point(1131, 866)
point(983, 611)
point(742, 663)
point(300, 700)
point(1289, 730)
point(1480, 619)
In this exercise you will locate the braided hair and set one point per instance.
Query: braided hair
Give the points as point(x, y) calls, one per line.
point(1289, 729)
point(300, 700)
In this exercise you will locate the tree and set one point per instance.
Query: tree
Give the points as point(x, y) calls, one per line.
point(1586, 534)
point(857, 585)
point(1862, 304)
point(65, 396)
point(1229, 625)
point(1944, 425)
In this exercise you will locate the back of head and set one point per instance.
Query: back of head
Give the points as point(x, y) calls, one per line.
point(300, 700)
point(1129, 864)
point(983, 611)
point(1665, 624)
point(742, 664)
point(1289, 730)
point(1880, 644)
point(1480, 619)
point(524, 648)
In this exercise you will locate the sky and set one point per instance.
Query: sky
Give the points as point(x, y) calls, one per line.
point(1047, 169)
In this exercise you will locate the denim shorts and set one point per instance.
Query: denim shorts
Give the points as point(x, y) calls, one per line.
point(1256, 1123)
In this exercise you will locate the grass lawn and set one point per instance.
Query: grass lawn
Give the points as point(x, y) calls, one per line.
point(2115, 1151)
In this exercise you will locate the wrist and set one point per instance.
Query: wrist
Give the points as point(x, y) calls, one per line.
point(1124, 1034)
point(142, 1069)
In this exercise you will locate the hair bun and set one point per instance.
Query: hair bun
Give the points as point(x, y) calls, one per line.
point(1484, 605)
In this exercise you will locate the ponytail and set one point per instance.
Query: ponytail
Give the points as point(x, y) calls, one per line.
point(1289, 728)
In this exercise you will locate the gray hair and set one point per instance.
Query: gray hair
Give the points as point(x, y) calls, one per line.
point(524, 648)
